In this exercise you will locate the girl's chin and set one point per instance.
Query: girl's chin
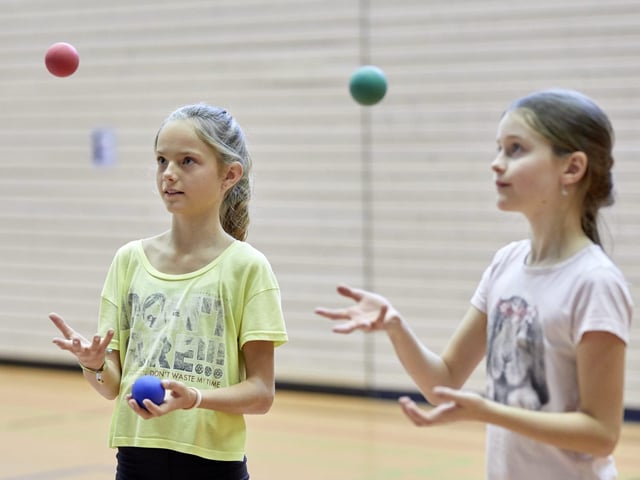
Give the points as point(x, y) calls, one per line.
point(504, 205)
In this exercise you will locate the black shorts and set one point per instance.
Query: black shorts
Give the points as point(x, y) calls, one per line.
point(135, 463)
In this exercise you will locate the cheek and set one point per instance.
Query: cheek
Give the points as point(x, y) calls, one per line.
point(521, 178)
point(531, 178)
point(539, 188)
point(159, 183)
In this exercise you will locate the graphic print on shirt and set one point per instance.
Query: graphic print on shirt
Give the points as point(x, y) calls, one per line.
point(177, 337)
point(515, 356)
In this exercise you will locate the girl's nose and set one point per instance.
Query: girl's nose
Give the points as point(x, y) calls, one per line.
point(498, 164)
point(169, 172)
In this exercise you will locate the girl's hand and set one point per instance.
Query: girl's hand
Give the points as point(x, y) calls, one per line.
point(458, 405)
point(90, 354)
point(371, 312)
point(177, 397)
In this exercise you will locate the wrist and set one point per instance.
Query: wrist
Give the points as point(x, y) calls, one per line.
point(489, 410)
point(395, 324)
point(98, 372)
point(91, 369)
point(198, 399)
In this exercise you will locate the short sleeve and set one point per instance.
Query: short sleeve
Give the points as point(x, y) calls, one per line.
point(479, 298)
point(603, 304)
point(262, 317)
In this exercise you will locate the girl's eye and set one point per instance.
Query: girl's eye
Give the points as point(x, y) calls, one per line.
point(187, 160)
point(514, 149)
point(160, 160)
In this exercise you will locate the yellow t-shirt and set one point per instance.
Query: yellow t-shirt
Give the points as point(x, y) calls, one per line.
point(189, 327)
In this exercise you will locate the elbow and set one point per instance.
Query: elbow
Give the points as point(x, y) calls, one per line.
point(606, 445)
point(603, 443)
point(599, 435)
point(263, 400)
point(263, 403)
point(110, 394)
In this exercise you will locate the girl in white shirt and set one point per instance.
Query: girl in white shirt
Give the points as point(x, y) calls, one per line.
point(551, 315)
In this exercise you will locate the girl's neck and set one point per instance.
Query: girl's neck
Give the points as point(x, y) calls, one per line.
point(556, 235)
point(554, 242)
point(183, 250)
point(189, 234)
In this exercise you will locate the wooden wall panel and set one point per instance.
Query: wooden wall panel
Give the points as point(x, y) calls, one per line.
point(396, 197)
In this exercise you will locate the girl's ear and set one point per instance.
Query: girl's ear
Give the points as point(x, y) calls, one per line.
point(232, 175)
point(575, 168)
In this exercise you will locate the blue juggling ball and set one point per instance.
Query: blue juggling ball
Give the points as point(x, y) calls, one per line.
point(148, 386)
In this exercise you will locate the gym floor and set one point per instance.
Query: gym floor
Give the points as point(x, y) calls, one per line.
point(54, 426)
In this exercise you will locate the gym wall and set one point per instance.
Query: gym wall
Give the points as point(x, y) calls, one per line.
point(397, 197)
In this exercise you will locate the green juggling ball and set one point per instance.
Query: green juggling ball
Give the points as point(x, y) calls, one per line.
point(368, 85)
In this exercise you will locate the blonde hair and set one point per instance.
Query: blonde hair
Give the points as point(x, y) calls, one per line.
point(215, 127)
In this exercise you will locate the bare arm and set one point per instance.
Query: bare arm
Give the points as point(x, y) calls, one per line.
point(464, 351)
point(254, 395)
point(426, 368)
point(593, 429)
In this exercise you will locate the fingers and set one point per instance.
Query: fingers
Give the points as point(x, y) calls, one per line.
point(443, 413)
point(453, 406)
point(406, 403)
point(146, 412)
point(337, 313)
point(346, 327)
point(445, 393)
point(103, 343)
point(177, 396)
point(62, 326)
point(461, 397)
point(175, 386)
point(413, 413)
point(382, 315)
point(84, 350)
point(95, 342)
point(71, 340)
point(349, 292)
point(357, 319)
point(366, 323)
point(180, 393)
point(333, 314)
point(368, 314)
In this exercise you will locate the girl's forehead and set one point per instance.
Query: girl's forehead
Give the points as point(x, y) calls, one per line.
point(181, 137)
point(179, 127)
point(512, 121)
point(178, 131)
point(514, 124)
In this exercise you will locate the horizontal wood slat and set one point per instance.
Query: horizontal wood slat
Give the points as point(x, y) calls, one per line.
point(397, 197)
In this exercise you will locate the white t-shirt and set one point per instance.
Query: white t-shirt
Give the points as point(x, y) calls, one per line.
point(536, 318)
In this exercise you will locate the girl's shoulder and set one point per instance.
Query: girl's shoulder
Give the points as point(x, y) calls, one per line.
point(241, 248)
point(244, 255)
point(595, 264)
point(518, 249)
point(129, 249)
